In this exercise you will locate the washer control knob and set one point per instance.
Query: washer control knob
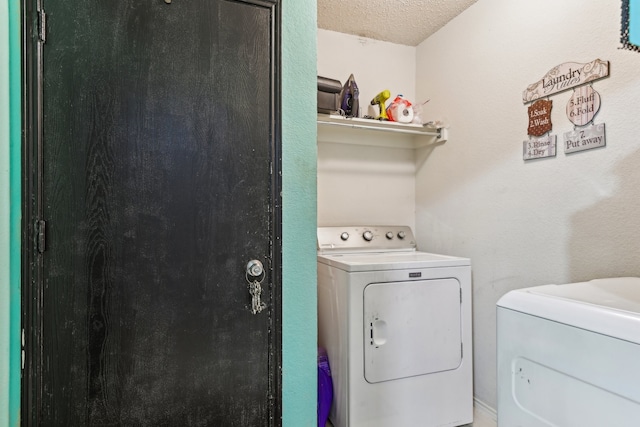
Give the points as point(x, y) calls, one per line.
point(389, 235)
point(401, 235)
point(344, 236)
point(367, 235)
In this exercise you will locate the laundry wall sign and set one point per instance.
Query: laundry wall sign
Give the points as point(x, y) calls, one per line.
point(566, 76)
point(538, 148)
point(540, 117)
point(581, 109)
point(586, 138)
point(583, 105)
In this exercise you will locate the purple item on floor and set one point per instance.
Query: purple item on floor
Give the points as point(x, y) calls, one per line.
point(325, 387)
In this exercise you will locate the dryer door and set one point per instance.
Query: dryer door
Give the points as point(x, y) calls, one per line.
point(411, 328)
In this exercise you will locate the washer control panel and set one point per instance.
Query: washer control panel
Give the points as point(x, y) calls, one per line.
point(366, 238)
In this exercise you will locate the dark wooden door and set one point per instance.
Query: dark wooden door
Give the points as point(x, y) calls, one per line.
point(155, 182)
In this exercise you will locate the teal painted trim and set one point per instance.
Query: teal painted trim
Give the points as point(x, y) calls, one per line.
point(10, 205)
point(4, 212)
point(15, 152)
point(299, 160)
point(634, 22)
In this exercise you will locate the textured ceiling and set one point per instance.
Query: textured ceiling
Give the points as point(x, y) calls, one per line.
point(406, 22)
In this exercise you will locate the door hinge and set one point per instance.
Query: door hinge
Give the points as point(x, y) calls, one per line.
point(23, 349)
point(42, 26)
point(461, 350)
point(41, 230)
point(460, 295)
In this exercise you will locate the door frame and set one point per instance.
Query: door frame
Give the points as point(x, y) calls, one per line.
point(33, 237)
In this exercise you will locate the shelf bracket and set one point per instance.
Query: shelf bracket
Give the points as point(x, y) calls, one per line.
point(443, 135)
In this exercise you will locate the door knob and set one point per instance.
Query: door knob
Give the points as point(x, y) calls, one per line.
point(255, 276)
point(255, 268)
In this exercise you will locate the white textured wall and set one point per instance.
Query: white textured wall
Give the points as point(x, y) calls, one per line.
point(358, 184)
point(558, 220)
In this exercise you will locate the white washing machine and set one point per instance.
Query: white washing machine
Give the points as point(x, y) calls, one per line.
point(396, 324)
point(569, 355)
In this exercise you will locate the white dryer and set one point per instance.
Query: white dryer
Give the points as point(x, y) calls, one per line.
point(396, 324)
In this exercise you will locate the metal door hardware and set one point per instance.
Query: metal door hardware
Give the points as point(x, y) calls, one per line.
point(255, 275)
point(255, 268)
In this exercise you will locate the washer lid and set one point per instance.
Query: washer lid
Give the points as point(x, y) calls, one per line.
point(606, 306)
point(377, 261)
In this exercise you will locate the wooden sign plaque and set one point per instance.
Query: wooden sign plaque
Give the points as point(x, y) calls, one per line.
point(537, 148)
point(540, 117)
point(583, 105)
point(566, 76)
point(585, 138)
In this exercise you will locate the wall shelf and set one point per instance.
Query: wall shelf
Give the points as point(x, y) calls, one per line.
point(336, 128)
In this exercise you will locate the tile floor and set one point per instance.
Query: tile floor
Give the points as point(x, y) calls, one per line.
point(482, 419)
